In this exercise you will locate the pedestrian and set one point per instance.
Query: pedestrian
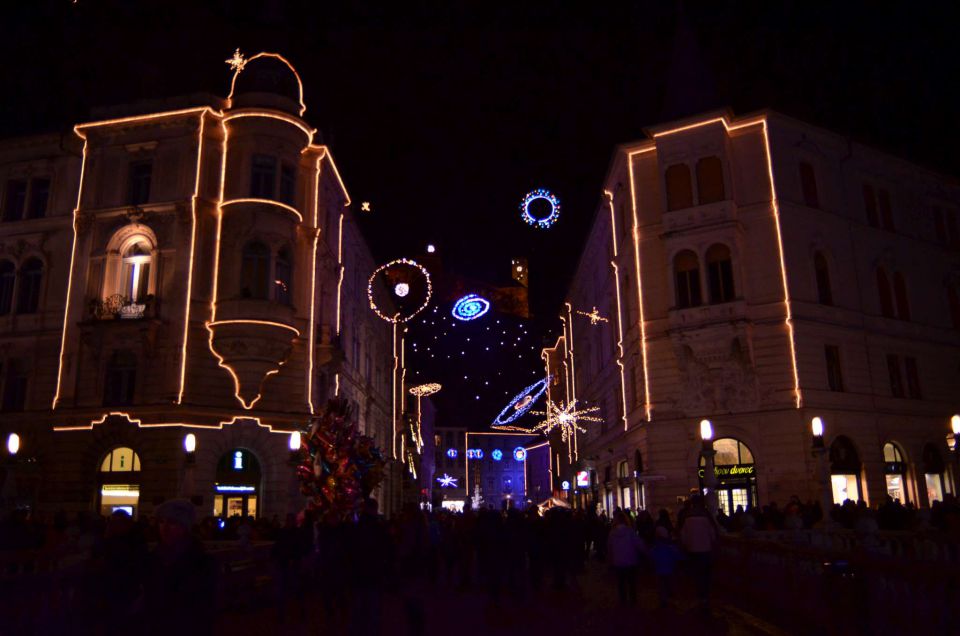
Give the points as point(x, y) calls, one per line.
point(699, 534)
point(665, 555)
point(624, 548)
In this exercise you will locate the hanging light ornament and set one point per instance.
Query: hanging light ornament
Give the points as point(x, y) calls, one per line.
point(411, 286)
point(540, 221)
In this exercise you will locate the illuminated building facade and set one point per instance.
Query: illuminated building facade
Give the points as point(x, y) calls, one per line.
point(186, 269)
point(758, 272)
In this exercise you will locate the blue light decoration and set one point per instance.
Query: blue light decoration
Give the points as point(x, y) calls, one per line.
point(452, 453)
point(520, 454)
point(470, 307)
point(542, 222)
point(474, 453)
point(522, 402)
point(565, 485)
point(497, 454)
point(447, 481)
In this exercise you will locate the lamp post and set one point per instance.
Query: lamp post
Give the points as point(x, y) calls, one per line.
point(709, 473)
point(8, 489)
point(189, 462)
point(955, 428)
point(823, 470)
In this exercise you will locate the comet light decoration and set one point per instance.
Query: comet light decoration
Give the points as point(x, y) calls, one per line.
point(594, 316)
point(565, 417)
point(520, 404)
point(405, 275)
point(447, 481)
point(470, 307)
point(541, 221)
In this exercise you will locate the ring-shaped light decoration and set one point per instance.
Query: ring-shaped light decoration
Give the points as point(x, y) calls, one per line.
point(545, 221)
point(423, 390)
point(497, 454)
point(470, 307)
point(520, 454)
point(535, 390)
point(407, 272)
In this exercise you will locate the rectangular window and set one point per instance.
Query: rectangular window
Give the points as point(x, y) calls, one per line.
point(39, 195)
point(893, 370)
point(14, 199)
point(288, 184)
point(913, 378)
point(15, 387)
point(138, 189)
point(870, 205)
point(834, 373)
point(886, 213)
point(263, 177)
point(808, 183)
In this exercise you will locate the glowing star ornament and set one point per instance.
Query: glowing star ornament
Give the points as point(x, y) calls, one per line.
point(365, 206)
point(401, 289)
point(542, 221)
point(594, 316)
point(396, 308)
point(521, 403)
point(447, 481)
point(236, 61)
point(565, 417)
point(470, 307)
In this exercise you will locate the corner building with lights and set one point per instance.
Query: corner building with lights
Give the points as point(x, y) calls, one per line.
point(190, 269)
point(759, 272)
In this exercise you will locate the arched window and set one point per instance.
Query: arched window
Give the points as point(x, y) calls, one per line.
point(283, 272)
point(255, 271)
point(679, 188)
point(31, 277)
point(8, 275)
point(883, 290)
point(822, 270)
point(120, 460)
point(720, 274)
point(900, 292)
point(895, 472)
point(710, 180)
point(135, 276)
point(120, 379)
point(735, 472)
point(845, 470)
point(686, 270)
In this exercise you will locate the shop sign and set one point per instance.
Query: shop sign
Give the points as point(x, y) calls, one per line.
point(732, 470)
point(583, 478)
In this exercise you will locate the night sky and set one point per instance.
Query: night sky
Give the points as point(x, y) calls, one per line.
point(443, 115)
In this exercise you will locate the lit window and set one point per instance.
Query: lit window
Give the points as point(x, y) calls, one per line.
point(136, 272)
point(120, 460)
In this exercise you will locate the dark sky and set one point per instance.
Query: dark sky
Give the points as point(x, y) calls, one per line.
point(444, 114)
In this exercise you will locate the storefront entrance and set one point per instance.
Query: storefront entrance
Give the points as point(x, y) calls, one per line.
point(736, 475)
point(237, 490)
point(119, 482)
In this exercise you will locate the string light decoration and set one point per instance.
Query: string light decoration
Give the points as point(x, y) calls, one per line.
point(447, 481)
point(452, 453)
point(544, 221)
point(407, 272)
point(470, 307)
point(365, 206)
point(594, 316)
point(236, 61)
point(401, 290)
point(423, 390)
point(520, 454)
point(497, 454)
point(565, 417)
point(520, 404)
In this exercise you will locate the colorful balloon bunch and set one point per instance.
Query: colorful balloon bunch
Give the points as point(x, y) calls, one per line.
point(340, 467)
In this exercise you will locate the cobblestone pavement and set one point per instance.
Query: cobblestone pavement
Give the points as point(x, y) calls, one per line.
point(590, 607)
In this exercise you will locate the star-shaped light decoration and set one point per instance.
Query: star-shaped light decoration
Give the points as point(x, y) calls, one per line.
point(237, 61)
point(447, 481)
point(365, 206)
point(566, 418)
point(594, 316)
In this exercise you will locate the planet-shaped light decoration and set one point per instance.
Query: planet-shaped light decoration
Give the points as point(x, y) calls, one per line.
point(533, 392)
point(520, 453)
point(470, 307)
point(540, 220)
point(410, 283)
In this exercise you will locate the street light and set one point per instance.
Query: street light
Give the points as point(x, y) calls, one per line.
point(13, 443)
point(709, 473)
point(294, 442)
point(955, 427)
point(823, 470)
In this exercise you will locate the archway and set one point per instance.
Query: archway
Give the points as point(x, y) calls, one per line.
point(845, 469)
point(934, 474)
point(895, 472)
point(237, 487)
point(119, 482)
point(736, 475)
